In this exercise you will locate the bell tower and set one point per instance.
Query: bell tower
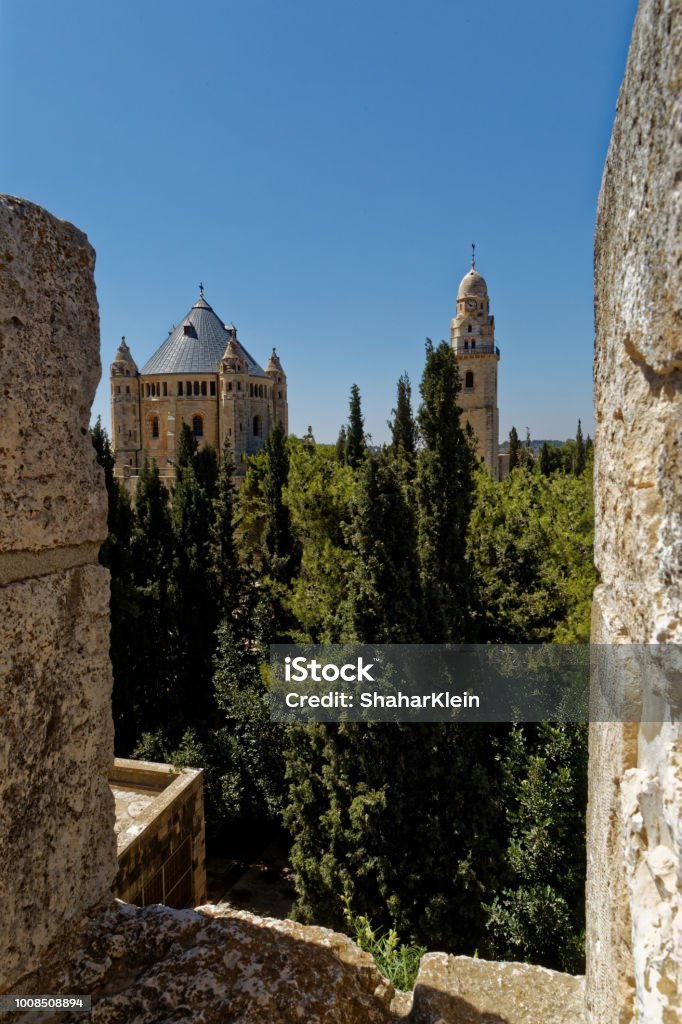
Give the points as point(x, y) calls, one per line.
point(472, 337)
point(125, 412)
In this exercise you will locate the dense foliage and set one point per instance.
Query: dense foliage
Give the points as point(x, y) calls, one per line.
point(452, 836)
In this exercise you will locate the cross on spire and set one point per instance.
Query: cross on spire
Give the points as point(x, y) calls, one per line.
point(473, 255)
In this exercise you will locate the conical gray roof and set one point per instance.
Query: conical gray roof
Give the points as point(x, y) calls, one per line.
point(198, 350)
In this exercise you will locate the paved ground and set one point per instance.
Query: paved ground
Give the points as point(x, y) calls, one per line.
point(262, 885)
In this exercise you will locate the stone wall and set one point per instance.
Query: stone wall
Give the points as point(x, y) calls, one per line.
point(57, 847)
point(160, 834)
point(634, 895)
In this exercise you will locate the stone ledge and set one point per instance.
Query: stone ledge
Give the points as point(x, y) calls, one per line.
point(161, 966)
point(26, 565)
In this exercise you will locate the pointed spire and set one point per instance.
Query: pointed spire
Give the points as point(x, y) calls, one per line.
point(274, 363)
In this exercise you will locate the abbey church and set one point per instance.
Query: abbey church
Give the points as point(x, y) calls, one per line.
point(202, 376)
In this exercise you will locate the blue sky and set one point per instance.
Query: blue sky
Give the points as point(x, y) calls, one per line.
point(323, 167)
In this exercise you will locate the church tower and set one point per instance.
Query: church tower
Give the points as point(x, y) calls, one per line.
point(473, 339)
point(125, 412)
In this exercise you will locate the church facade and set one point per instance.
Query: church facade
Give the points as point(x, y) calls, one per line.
point(472, 336)
point(202, 376)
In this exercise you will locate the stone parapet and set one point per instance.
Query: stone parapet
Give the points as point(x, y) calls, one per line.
point(218, 964)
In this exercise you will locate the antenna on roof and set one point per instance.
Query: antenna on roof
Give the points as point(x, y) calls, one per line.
point(473, 255)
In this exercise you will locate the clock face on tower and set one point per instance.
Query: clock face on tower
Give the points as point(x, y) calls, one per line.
point(471, 304)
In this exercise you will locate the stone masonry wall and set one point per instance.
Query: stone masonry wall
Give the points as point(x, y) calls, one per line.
point(57, 845)
point(634, 893)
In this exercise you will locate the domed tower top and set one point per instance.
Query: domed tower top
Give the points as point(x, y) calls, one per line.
point(123, 364)
point(472, 285)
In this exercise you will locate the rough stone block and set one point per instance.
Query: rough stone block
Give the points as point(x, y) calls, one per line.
point(462, 990)
point(51, 493)
point(57, 844)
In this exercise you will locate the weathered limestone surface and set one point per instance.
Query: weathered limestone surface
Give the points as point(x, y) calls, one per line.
point(460, 990)
point(50, 495)
point(57, 847)
point(634, 895)
point(216, 964)
point(161, 966)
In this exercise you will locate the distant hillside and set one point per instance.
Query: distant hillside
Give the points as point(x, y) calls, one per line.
point(536, 446)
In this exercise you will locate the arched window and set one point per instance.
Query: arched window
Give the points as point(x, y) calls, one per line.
point(466, 346)
point(203, 389)
point(257, 426)
point(180, 388)
point(196, 388)
point(469, 381)
point(473, 345)
point(155, 426)
point(469, 328)
point(197, 426)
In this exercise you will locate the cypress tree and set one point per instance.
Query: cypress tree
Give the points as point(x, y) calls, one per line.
point(401, 821)
point(384, 589)
point(196, 603)
point(356, 447)
point(341, 447)
point(514, 448)
point(444, 487)
point(153, 640)
point(115, 554)
point(279, 549)
point(403, 426)
point(579, 453)
point(545, 460)
point(589, 451)
point(225, 566)
point(206, 470)
point(187, 448)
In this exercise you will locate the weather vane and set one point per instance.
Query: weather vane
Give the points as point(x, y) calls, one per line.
point(473, 255)
point(201, 288)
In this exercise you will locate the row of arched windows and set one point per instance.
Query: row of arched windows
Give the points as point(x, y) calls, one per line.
point(196, 389)
point(197, 426)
